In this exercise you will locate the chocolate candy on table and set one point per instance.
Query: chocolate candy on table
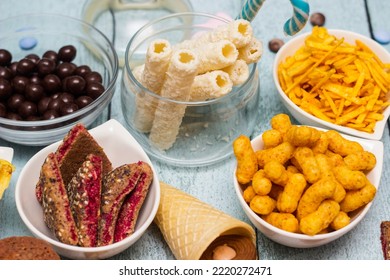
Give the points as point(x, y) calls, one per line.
point(317, 19)
point(275, 44)
point(42, 88)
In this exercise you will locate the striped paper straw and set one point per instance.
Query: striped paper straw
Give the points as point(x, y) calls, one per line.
point(299, 18)
point(292, 26)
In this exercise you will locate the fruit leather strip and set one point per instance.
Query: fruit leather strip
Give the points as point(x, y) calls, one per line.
point(116, 186)
point(56, 208)
point(71, 153)
point(84, 192)
point(385, 239)
point(129, 211)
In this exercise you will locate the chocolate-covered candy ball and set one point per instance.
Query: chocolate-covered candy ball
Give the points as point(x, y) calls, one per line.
point(94, 90)
point(34, 92)
point(5, 89)
point(19, 83)
point(67, 53)
point(45, 66)
point(43, 105)
point(55, 104)
point(13, 67)
point(5, 57)
point(3, 110)
point(275, 44)
point(65, 69)
point(13, 116)
point(33, 118)
point(317, 19)
point(66, 97)
point(75, 84)
point(52, 55)
point(51, 83)
point(25, 66)
point(33, 57)
point(27, 108)
point(93, 77)
point(50, 114)
point(82, 70)
point(68, 108)
point(35, 79)
point(83, 101)
point(14, 101)
point(6, 73)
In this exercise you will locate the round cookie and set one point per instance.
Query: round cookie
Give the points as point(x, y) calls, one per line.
point(26, 248)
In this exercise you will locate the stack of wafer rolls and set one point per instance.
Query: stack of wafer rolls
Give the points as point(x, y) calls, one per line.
point(219, 61)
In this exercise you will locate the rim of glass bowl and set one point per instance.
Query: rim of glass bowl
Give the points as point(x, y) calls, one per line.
point(188, 103)
point(9, 124)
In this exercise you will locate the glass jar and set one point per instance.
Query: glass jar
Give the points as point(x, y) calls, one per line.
point(208, 128)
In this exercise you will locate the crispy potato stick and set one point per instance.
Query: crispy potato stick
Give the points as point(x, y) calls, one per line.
point(153, 75)
point(239, 32)
point(341, 83)
point(252, 52)
point(211, 85)
point(238, 72)
point(214, 56)
point(177, 86)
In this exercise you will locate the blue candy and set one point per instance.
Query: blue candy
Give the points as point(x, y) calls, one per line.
point(382, 37)
point(27, 43)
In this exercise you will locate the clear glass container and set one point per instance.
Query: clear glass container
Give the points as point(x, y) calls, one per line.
point(208, 128)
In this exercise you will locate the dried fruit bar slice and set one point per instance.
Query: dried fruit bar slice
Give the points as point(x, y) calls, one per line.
point(116, 186)
point(129, 211)
point(56, 208)
point(385, 239)
point(71, 153)
point(84, 192)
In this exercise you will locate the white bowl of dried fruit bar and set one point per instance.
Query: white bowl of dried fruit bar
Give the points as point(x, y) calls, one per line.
point(121, 148)
point(355, 93)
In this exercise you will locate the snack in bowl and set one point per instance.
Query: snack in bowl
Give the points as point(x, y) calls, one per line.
point(186, 111)
point(337, 80)
point(84, 199)
point(314, 196)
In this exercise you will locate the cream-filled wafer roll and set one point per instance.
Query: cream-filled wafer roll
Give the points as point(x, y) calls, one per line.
point(214, 56)
point(251, 52)
point(180, 76)
point(157, 59)
point(211, 85)
point(195, 230)
point(238, 72)
point(239, 32)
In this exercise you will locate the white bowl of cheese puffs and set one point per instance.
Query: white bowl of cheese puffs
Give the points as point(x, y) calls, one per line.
point(304, 186)
point(335, 79)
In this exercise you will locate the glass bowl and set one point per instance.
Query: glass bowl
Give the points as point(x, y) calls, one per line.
point(51, 32)
point(208, 127)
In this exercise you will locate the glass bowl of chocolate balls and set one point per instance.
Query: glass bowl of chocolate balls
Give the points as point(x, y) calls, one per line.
point(55, 71)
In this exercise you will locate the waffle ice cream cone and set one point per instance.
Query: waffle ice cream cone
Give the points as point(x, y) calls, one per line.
point(190, 226)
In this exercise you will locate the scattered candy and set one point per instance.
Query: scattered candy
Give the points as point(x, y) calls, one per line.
point(317, 19)
point(275, 44)
point(382, 37)
point(28, 43)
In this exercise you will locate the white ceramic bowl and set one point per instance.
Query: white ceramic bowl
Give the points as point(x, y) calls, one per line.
point(298, 240)
point(290, 47)
point(121, 148)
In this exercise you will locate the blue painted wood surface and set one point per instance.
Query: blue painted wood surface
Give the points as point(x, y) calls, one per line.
point(214, 184)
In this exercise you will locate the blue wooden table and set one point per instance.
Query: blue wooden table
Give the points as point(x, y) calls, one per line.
point(213, 184)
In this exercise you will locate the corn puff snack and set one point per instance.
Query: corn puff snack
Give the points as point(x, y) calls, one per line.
point(246, 159)
point(238, 72)
point(251, 52)
point(210, 85)
point(316, 178)
point(157, 59)
point(6, 170)
point(179, 78)
point(239, 32)
point(215, 56)
point(341, 83)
